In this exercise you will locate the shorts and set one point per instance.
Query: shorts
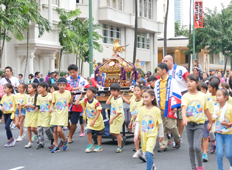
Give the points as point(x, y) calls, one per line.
point(97, 132)
point(179, 113)
point(23, 112)
point(55, 126)
point(74, 116)
point(206, 132)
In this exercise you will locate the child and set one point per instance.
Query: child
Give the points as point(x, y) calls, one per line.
point(54, 88)
point(116, 115)
point(95, 120)
point(223, 128)
point(61, 100)
point(8, 108)
point(151, 80)
point(148, 121)
point(135, 104)
point(31, 114)
point(44, 117)
point(205, 141)
point(194, 106)
point(21, 111)
point(213, 87)
point(227, 87)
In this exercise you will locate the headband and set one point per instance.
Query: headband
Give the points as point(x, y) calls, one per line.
point(59, 82)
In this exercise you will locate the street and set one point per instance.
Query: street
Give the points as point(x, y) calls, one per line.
point(75, 158)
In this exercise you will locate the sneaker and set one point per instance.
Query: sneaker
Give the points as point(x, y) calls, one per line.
point(65, 128)
point(205, 157)
point(29, 145)
point(12, 142)
point(119, 150)
point(89, 148)
point(137, 154)
point(98, 149)
point(61, 144)
point(173, 144)
point(34, 138)
point(40, 146)
point(162, 149)
point(123, 141)
point(181, 141)
point(177, 145)
point(200, 168)
point(7, 144)
point(65, 145)
point(24, 133)
point(19, 139)
point(143, 157)
point(55, 149)
point(153, 167)
point(13, 127)
point(213, 148)
point(51, 147)
point(82, 134)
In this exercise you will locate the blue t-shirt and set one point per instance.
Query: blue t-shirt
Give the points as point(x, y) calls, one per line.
point(133, 82)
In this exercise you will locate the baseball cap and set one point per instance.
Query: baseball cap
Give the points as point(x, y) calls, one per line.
point(212, 70)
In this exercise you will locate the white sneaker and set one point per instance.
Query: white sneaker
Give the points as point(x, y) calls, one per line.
point(12, 142)
point(136, 154)
point(174, 144)
point(19, 139)
point(13, 126)
point(143, 157)
point(24, 133)
point(29, 145)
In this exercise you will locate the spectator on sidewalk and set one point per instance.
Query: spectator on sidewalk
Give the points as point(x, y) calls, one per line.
point(21, 78)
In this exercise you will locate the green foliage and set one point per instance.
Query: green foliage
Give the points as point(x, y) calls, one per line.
point(62, 74)
point(2, 72)
point(181, 31)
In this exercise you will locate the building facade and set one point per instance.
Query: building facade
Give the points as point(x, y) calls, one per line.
point(178, 12)
point(117, 20)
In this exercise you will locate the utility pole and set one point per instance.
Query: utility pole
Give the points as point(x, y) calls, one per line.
point(194, 56)
point(90, 39)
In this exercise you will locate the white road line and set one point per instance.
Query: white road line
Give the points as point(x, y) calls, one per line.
point(17, 168)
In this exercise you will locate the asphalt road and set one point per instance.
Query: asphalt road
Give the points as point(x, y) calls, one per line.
point(75, 158)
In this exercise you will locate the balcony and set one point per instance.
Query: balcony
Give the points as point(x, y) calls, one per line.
point(148, 25)
point(84, 8)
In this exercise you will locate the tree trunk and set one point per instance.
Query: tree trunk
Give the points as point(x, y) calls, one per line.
point(190, 19)
point(2, 48)
point(165, 30)
point(76, 59)
point(61, 52)
point(27, 56)
point(136, 30)
point(82, 67)
point(226, 63)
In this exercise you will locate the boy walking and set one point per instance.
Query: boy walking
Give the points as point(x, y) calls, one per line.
point(44, 117)
point(95, 124)
point(116, 114)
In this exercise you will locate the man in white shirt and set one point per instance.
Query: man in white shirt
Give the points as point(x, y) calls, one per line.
point(10, 79)
point(179, 73)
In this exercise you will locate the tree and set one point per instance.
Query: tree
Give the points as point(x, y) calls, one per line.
point(136, 31)
point(216, 34)
point(165, 30)
point(14, 18)
point(74, 35)
point(180, 31)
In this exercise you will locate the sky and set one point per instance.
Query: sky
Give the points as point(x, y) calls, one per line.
point(211, 4)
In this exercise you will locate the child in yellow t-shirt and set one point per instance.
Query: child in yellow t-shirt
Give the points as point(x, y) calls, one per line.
point(226, 86)
point(116, 115)
point(31, 114)
point(148, 122)
point(205, 141)
point(135, 104)
point(21, 111)
point(95, 124)
point(9, 105)
point(194, 108)
point(223, 127)
point(60, 99)
point(44, 116)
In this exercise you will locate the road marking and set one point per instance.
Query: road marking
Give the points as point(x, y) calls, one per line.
point(17, 168)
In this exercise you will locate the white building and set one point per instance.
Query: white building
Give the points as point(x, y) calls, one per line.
point(117, 20)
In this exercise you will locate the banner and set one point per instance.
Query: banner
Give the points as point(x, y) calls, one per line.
point(198, 14)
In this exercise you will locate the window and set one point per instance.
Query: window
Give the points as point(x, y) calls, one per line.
point(55, 2)
point(143, 40)
point(110, 33)
point(116, 4)
point(145, 8)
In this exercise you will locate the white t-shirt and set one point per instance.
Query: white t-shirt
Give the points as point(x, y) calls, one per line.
point(14, 82)
point(180, 76)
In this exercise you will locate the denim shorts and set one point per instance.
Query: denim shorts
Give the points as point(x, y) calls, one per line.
point(206, 132)
point(23, 112)
point(97, 132)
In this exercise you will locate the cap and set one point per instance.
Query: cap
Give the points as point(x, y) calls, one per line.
point(212, 70)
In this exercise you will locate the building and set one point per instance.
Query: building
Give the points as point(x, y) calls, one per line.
point(178, 12)
point(117, 20)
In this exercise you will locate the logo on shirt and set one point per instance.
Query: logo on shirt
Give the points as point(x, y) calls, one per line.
point(222, 129)
point(147, 124)
point(135, 112)
point(195, 109)
point(112, 109)
point(61, 104)
point(90, 112)
point(21, 100)
point(44, 107)
point(179, 74)
point(8, 105)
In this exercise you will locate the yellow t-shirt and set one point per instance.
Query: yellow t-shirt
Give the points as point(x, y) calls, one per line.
point(149, 120)
point(196, 105)
point(60, 114)
point(218, 128)
point(9, 104)
point(91, 109)
point(230, 100)
point(21, 98)
point(44, 116)
point(210, 106)
point(213, 98)
point(135, 106)
point(163, 89)
point(116, 107)
point(31, 118)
